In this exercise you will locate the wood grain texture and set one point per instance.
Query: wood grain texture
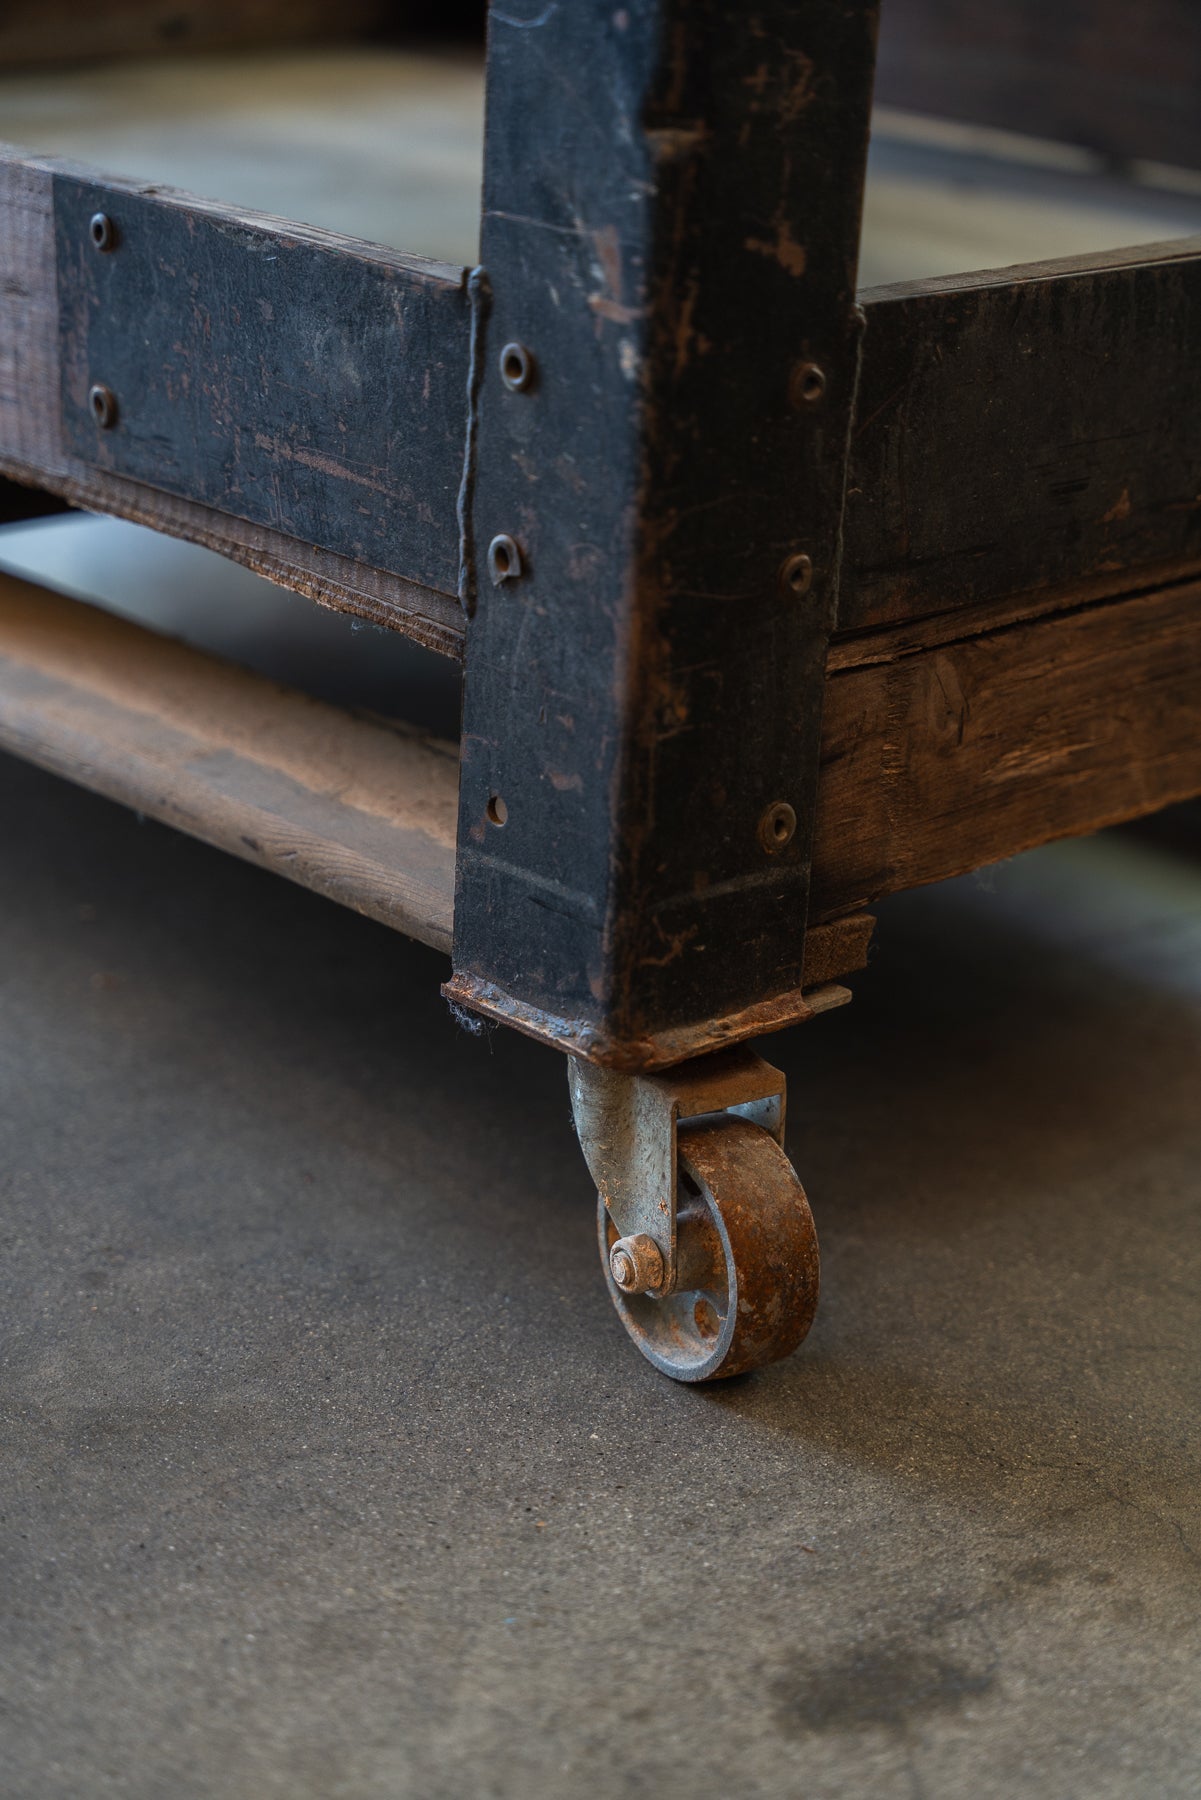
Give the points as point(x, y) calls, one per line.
point(1124, 81)
point(33, 451)
point(671, 223)
point(1025, 429)
point(947, 758)
point(359, 812)
point(296, 379)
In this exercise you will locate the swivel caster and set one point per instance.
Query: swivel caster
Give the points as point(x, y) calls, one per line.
point(706, 1237)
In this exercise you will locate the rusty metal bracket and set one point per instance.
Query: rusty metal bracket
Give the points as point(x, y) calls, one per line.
point(627, 1126)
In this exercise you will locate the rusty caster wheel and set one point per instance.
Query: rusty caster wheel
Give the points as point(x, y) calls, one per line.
point(746, 1290)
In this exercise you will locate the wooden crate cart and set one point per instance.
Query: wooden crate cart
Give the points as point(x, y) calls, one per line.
point(771, 597)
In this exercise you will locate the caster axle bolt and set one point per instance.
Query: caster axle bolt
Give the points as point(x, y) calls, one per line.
point(636, 1264)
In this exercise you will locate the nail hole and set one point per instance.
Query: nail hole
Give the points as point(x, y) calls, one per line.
point(496, 810)
point(516, 367)
point(777, 826)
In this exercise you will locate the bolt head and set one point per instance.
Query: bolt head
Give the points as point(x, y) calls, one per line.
point(796, 575)
point(517, 368)
point(808, 385)
point(777, 827)
point(636, 1264)
point(102, 404)
point(504, 559)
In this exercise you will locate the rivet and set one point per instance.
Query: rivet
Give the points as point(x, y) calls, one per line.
point(102, 403)
point(102, 231)
point(808, 385)
point(517, 367)
point(777, 826)
point(796, 574)
point(504, 559)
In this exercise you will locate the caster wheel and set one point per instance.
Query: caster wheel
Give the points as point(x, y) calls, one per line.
point(747, 1282)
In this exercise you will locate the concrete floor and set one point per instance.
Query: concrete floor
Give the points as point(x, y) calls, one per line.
point(327, 1470)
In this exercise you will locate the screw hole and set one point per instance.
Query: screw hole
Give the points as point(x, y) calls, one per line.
point(516, 367)
point(101, 231)
point(496, 810)
point(777, 827)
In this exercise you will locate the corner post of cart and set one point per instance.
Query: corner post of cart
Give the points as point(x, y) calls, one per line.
point(665, 354)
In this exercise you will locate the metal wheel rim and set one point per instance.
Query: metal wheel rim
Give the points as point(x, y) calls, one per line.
point(769, 1245)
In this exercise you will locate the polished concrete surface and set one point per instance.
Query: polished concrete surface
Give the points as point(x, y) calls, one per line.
point(326, 1469)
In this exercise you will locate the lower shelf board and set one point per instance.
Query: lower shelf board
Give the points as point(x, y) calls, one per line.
point(358, 811)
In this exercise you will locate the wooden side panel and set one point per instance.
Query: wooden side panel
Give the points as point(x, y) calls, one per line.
point(951, 757)
point(301, 381)
point(1026, 430)
point(1119, 79)
point(33, 449)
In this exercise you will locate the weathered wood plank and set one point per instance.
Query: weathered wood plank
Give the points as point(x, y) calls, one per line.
point(359, 812)
point(362, 814)
point(675, 242)
point(943, 759)
point(34, 450)
point(1024, 430)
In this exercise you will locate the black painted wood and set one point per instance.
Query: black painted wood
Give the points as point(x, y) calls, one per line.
point(1024, 429)
point(304, 382)
point(672, 199)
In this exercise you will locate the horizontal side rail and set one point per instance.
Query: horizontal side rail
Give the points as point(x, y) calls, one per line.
point(1120, 80)
point(289, 397)
point(1026, 430)
point(362, 813)
point(939, 758)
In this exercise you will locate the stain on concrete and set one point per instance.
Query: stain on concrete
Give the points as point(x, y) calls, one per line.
point(889, 1683)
